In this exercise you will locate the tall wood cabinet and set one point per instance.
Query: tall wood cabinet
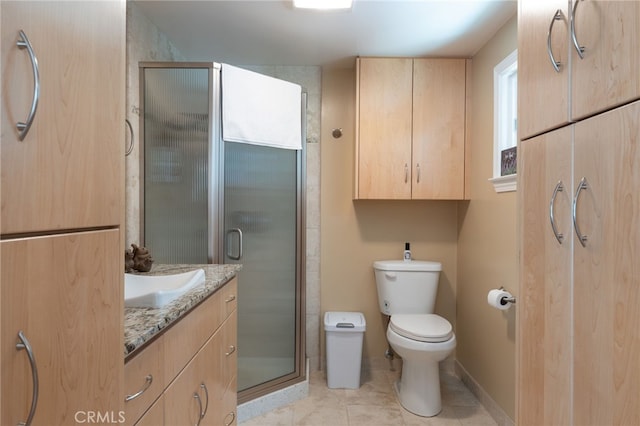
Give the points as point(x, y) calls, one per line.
point(590, 42)
point(578, 341)
point(61, 196)
point(411, 116)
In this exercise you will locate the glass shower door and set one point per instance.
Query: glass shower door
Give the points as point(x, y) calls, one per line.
point(261, 226)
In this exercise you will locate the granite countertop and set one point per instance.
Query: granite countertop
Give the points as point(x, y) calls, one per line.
point(142, 324)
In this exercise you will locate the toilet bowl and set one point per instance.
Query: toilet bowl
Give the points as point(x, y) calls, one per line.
point(407, 292)
point(422, 341)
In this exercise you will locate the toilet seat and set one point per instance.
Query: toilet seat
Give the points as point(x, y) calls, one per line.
point(428, 328)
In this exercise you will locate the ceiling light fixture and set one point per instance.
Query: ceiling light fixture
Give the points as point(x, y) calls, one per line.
point(323, 4)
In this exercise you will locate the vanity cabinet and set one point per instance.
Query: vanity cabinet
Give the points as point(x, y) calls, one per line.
point(410, 128)
point(62, 68)
point(193, 365)
point(590, 42)
point(66, 171)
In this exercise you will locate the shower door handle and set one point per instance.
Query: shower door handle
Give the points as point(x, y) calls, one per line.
point(229, 245)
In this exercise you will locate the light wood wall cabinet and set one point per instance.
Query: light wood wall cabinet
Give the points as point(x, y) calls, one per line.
point(188, 374)
point(410, 129)
point(590, 42)
point(62, 202)
point(579, 344)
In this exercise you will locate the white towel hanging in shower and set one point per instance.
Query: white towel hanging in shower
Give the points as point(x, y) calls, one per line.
point(260, 110)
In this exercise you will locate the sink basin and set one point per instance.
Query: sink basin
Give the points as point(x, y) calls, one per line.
point(155, 291)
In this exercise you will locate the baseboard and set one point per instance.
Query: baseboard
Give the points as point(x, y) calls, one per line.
point(492, 407)
point(277, 399)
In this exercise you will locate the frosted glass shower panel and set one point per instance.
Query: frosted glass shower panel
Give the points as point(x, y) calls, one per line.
point(176, 150)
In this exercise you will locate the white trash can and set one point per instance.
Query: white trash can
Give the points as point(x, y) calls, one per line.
point(344, 336)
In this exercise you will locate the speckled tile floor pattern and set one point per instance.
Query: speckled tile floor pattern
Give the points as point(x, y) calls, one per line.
point(374, 404)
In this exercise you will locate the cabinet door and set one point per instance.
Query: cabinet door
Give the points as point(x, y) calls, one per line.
point(543, 92)
point(608, 75)
point(68, 171)
point(606, 270)
point(383, 139)
point(544, 314)
point(438, 128)
point(197, 388)
point(65, 293)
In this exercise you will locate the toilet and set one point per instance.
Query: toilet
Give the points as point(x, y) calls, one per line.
point(407, 293)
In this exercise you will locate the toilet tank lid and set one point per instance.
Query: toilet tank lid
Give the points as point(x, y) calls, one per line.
point(403, 265)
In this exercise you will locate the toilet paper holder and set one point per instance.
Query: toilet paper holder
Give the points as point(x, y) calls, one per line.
point(505, 300)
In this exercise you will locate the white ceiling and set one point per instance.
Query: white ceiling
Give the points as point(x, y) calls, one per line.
point(272, 32)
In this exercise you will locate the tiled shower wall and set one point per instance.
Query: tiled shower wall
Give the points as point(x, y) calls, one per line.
point(146, 43)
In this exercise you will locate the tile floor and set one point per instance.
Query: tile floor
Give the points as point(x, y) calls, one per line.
point(374, 404)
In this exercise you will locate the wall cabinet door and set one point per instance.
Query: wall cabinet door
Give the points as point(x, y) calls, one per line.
point(438, 154)
point(383, 128)
point(65, 294)
point(579, 310)
point(67, 172)
point(609, 32)
point(544, 314)
point(606, 295)
point(543, 91)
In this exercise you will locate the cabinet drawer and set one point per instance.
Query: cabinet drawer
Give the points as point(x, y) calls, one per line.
point(189, 334)
point(148, 363)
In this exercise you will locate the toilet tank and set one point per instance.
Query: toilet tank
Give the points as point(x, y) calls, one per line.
point(407, 287)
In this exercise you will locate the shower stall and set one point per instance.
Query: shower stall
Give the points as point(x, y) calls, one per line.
point(209, 201)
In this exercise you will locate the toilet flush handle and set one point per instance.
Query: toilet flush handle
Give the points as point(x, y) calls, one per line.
point(391, 275)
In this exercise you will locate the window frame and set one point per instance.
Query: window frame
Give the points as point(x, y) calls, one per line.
point(504, 98)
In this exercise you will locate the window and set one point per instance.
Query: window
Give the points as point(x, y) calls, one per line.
point(505, 121)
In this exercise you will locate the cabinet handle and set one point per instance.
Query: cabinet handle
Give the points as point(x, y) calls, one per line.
point(206, 406)
point(559, 188)
point(418, 169)
point(406, 173)
point(230, 299)
point(24, 344)
point(556, 64)
point(574, 37)
point(232, 349)
point(233, 417)
point(23, 127)
point(147, 383)
point(132, 139)
point(582, 185)
point(197, 397)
